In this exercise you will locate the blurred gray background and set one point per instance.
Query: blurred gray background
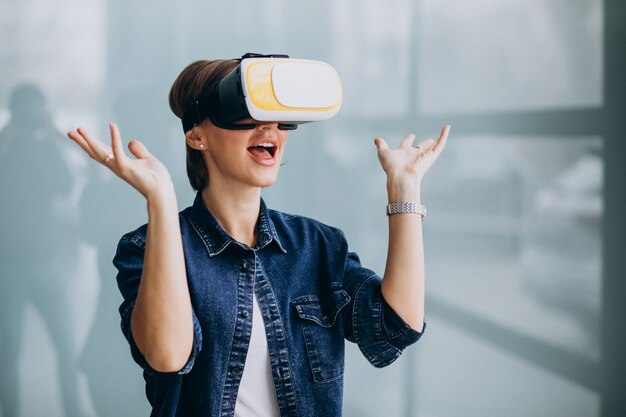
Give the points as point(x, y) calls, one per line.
point(525, 238)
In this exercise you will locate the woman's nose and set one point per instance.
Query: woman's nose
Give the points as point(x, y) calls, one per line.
point(267, 125)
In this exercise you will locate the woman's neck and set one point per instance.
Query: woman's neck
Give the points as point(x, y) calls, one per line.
point(235, 208)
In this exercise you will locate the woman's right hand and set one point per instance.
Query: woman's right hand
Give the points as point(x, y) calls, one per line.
point(146, 174)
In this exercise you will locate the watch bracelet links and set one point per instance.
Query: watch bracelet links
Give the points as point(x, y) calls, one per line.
point(406, 207)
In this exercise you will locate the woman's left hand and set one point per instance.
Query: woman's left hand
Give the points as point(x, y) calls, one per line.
point(406, 166)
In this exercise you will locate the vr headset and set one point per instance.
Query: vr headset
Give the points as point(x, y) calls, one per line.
point(269, 88)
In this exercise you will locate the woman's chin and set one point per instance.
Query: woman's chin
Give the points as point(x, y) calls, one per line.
point(265, 181)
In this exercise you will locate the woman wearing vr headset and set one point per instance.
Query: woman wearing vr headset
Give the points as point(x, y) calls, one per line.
point(231, 308)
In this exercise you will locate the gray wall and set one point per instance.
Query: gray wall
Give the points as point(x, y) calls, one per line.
point(524, 238)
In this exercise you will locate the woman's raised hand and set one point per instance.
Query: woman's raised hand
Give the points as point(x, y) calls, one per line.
point(406, 166)
point(146, 173)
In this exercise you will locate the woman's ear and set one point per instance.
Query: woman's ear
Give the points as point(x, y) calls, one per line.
point(194, 140)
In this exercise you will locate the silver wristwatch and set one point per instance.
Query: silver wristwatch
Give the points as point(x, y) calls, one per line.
point(406, 207)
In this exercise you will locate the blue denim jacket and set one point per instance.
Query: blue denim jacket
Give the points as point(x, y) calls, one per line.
point(312, 291)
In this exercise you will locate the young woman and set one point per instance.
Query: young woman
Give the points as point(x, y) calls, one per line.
point(233, 309)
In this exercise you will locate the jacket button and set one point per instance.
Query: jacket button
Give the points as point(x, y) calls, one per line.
point(245, 313)
point(283, 372)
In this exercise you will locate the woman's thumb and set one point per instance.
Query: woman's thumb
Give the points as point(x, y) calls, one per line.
point(138, 149)
point(381, 144)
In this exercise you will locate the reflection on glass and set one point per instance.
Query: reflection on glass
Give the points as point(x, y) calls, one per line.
point(526, 225)
point(61, 45)
point(509, 55)
point(40, 250)
point(371, 47)
point(514, 243)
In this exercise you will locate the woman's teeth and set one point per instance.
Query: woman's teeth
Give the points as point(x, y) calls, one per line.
point(263, 147)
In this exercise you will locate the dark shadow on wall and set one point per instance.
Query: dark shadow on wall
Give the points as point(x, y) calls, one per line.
point(39, 245)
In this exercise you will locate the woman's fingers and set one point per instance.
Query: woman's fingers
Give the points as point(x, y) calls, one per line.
point(407, 161)
point(146, 173)
point(425, 145)
point(116, 145)
point(443, 139)
point(407, 142)
point(78, 138)
point(99, 151)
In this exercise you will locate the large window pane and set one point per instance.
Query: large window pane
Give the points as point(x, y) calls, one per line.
point(514, 251)
point(494, 55)
point(371, 50)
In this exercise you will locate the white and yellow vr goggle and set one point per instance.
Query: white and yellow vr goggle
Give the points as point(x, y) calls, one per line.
point(269, 88)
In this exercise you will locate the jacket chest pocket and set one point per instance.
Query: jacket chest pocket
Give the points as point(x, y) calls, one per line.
point(323, 336)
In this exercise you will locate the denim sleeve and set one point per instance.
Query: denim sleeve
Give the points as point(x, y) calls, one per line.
point(129, 262)
point(372, 324)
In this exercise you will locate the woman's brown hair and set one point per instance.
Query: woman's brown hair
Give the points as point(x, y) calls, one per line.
point(187, 88)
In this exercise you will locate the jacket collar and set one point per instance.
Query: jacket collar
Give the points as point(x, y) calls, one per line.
point(216, 239)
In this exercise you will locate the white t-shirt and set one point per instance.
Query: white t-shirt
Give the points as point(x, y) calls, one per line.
point(257, 395)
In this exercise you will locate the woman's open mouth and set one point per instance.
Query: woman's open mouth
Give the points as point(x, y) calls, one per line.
point(263, 150)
